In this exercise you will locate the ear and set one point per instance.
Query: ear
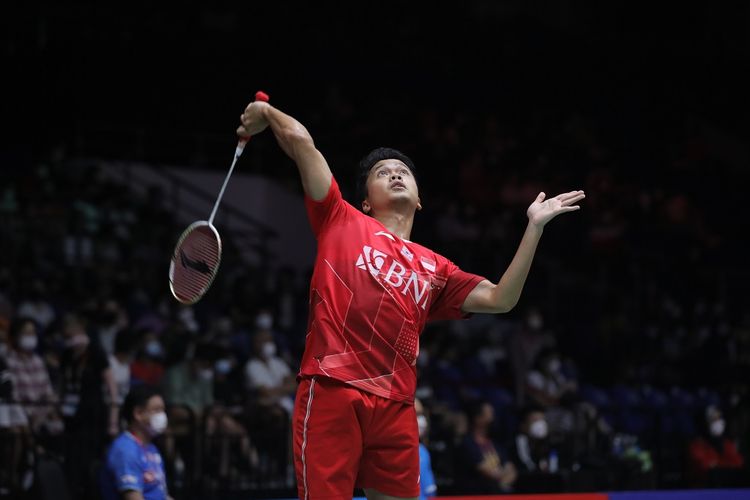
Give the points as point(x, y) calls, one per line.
point(366, 206)
point(419, 204)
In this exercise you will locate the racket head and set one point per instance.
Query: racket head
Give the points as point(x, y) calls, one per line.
point(195, 261)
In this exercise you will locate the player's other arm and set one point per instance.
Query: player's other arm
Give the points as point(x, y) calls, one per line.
point(500, 297)
point(296, 142)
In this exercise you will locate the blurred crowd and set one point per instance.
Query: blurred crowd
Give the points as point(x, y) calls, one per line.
point(625, 365)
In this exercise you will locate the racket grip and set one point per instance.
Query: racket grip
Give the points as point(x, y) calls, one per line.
point(259, 96)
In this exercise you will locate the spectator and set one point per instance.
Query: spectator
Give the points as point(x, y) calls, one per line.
point(134, 468)
point(148, 367)
point(111, 320)
point(427, 486)
point(31, 382)
point(553, 389)
point(36, 306)
point(119, 362)
point(269, 375)
point(271, 384)
point(87, 388)
point(525, 346)
point(713, 457)
point(12, 422)
point(189, 391)
point(486, 469)
point(537, 460)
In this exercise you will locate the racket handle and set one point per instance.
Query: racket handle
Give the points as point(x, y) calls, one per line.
point(259, 96)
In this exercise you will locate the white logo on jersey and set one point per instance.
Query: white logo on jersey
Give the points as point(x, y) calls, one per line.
point(428, 264)
point(407, 253)
point(383, 233)
point(373, 260)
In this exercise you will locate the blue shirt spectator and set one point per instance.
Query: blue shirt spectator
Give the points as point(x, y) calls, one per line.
point(134, 468)
point(427, 486)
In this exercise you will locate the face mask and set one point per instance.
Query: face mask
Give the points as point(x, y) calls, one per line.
point(422, 425)
point(538, 429)
point(269, 349)
point(153, 349)
point(158, 423)
point(535, 322)
point(223, 366)
point(717, 427)
point(27, 342)
point(207, 374)
point(264, 322)
point(78, 340)
point(554, 365)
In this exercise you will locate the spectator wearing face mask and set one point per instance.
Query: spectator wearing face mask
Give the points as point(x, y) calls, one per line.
point(134, 468)
point(427, 486)
point(538, 461)
point(31, 382)
point(271, 384)
point(87, 388)
point(189, 383)
point(148, 367)
point(713, 457)
point(269, 375)
point(554, 389)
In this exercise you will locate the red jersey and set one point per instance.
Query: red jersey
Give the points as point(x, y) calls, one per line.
point(371, 295)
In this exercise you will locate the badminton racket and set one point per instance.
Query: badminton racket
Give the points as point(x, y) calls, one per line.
point(197, 254)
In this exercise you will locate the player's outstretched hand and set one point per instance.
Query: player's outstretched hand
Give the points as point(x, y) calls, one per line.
point(542, 211)
point(253, 121)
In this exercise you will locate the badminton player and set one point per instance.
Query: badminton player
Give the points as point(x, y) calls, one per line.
point(371, 293)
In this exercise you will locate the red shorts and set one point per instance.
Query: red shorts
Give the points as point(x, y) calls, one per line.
point(345, 438)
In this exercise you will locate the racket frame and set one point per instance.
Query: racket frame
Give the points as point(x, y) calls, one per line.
point(175, 257)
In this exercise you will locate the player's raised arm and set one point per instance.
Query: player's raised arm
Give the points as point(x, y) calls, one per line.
point(488, 297)
point(296, 142)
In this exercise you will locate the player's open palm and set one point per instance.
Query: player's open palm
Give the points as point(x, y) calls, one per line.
point(542, 211)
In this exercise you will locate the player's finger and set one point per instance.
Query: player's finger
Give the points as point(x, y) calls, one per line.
point(574, 199)
point(242, 132)
point(570, 209)
point(570, 194)
point(540, 197)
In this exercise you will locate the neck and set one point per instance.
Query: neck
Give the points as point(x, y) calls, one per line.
point(139, 433)
point(396, 222)
point(480, 432)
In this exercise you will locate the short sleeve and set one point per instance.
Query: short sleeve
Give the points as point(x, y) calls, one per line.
point(451, 297)
point(125, 469)
point(328, 211)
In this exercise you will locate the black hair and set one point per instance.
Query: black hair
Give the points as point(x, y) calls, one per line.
point(14, 331)
point(527, 410)
point(474, 408)
point(138, 397)
point(370, 159)
point(124, 341)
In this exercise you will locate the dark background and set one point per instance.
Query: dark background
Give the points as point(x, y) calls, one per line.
point(643, 105)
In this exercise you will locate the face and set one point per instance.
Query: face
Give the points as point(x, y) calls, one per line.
point(533, 417)
point(486, 416)
point(143, 415)
point(390, 183)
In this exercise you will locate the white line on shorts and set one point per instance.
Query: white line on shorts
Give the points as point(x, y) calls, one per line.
point(304, 434)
